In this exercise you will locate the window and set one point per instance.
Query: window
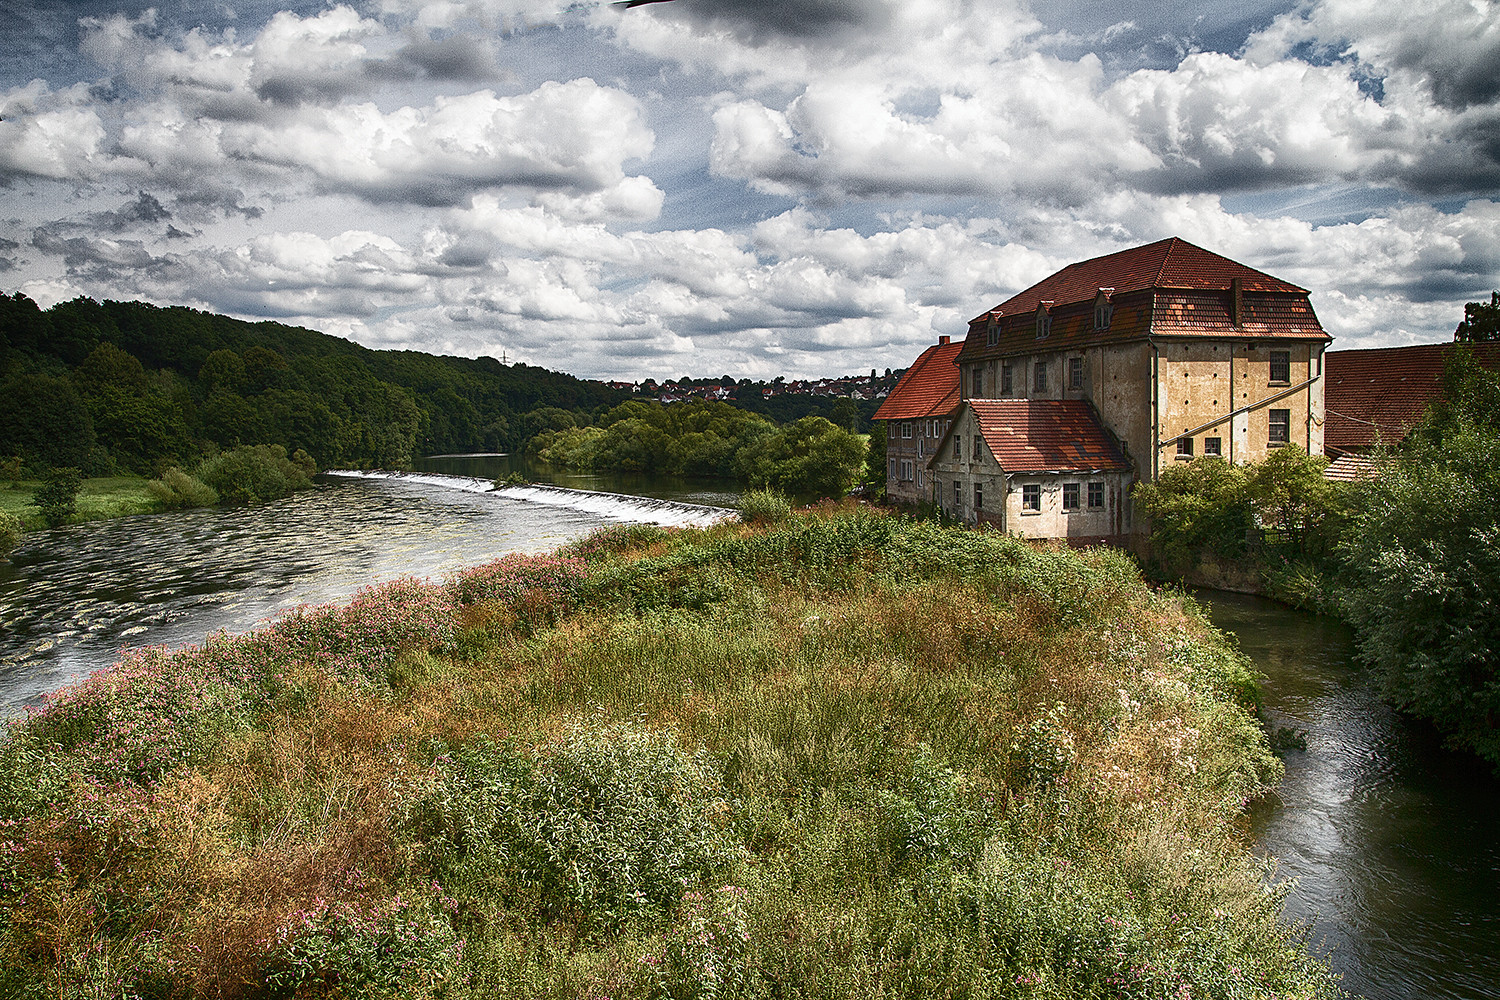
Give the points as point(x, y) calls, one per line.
point(1007, 381)
point(958, 447)
point(1075, 373)
point(1213, 446)
point(893, 468)
point(1281, 428)
point(919, 477)
point(1039, 376)
point(1096, 495)
point(906, 429)
point(992, 335)
point(1281, 366)
point(906, 470)
point(1043, 320)
point(958, 497)
point(978, 447)
point(1071, 494)
point(1184, 447)
point(978, 391)
point(1031, 497)
point(1104, 310)
point(978, 497)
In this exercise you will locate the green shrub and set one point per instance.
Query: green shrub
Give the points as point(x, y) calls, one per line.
point(177, 489)
point(344, 949)
point(608, 824)
point(10, 533)
point(257, 472)
point(57, 497)
point(764, 506)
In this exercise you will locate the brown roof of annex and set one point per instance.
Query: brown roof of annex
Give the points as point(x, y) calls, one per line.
point(929, 388)
point(1381, 392)
point(1045, 435)
point(1168, 288)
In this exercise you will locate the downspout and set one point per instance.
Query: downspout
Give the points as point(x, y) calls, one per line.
point(1231, 402)
point(1155, 407)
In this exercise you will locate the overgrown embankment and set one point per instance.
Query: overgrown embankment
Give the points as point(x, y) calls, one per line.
point(843, 755)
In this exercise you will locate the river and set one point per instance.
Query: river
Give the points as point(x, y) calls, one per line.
point(1390, 839)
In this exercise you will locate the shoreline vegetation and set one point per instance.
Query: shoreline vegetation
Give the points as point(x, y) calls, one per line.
point(833, 753)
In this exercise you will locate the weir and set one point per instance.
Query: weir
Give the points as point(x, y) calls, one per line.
point(668, 513)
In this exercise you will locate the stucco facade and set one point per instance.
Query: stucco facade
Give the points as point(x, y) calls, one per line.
point(1042, 469)
point(1178, 351)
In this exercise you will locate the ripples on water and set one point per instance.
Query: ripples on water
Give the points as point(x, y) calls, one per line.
point(73, 597)
point(1391, 839)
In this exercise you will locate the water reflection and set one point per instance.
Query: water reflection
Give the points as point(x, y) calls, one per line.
point(1392, 839)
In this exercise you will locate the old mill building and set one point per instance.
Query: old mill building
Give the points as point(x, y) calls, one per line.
point(1109, 371)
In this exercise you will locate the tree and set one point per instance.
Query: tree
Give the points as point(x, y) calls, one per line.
point(45, 421)
point(1204, 504)
point(1481, 321)
point(1423, 555)
point(57, 497)
point(811, 457)
point(1288, 492)
point(10, 533)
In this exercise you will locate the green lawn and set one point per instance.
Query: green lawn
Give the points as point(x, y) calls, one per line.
point(110, 496)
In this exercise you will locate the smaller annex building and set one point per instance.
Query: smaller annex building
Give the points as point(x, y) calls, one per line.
point(917, 413)
point(1042, 468)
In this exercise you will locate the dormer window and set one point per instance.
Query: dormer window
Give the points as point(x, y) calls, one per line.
point(992, 334)
point(1043, 319)
point(1104, 308)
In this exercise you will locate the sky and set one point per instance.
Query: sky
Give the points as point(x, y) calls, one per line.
point(746, 187)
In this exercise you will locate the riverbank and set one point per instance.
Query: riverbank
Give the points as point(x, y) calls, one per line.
point(847, 755)
point(98, 499)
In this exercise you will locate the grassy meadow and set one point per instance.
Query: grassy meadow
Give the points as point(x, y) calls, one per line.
point(112, 496)
point(845, 754)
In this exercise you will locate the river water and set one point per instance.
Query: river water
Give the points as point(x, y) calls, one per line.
point(1390, 839)
point(72, 598)
point(1393, 842)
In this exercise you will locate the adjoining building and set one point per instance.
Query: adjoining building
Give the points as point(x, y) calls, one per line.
point(917, 413)
point(1174, 351)
point(1043, 468)
point(1374, 396)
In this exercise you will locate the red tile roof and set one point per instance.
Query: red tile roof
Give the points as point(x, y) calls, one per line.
point(1046, 435)
point(1384, 390)
point(1170, 263)
point(1170, 288)
point(929, 388)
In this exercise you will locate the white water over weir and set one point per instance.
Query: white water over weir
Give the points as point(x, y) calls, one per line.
point(669, 513)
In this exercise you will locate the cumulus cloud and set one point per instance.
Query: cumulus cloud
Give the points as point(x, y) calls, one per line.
point(763, 187)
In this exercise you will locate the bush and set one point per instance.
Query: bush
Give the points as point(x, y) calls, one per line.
point(177, 489)
point(609, 824)
point(10, 533)
point(764, 507)
point(257, 472)
point(57, 497)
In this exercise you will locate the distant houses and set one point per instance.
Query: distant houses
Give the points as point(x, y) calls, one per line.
point(1100, 375)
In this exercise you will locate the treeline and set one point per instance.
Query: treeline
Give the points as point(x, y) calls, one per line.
point(130, 387)
point(1409, 557)
point(806, 457)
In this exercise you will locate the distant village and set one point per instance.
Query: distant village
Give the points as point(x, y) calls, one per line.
point(856, 387)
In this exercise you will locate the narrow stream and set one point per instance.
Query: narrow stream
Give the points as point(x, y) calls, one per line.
point(1393, 841)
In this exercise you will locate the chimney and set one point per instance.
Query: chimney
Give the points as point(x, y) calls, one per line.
point(943, 340)
point(1236, 302)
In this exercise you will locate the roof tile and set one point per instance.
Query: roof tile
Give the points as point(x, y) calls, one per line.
point(929, 388)
point(1046, 435)
point(1384, 391)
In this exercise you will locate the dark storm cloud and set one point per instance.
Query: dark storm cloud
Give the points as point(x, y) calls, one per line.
point(757, 22)
point(458, 57)
point(145, 210)
point(102, 258)
point(7, 254)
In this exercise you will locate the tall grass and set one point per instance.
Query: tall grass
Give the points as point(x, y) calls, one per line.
point(843, 755)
